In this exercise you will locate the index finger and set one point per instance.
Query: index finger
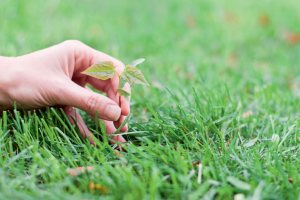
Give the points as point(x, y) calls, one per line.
point(85, 56)
point(81, 56)
point(98, 56)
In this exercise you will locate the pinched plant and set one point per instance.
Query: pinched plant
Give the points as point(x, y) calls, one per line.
point(131, 74)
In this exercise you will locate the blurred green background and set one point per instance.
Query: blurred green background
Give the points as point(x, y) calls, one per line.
point(246, 46)
point(239, 56)
point(214, 41)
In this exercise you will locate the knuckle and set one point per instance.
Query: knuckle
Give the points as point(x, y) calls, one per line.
point(92, 103)
point(72, 43)
point(75, 49)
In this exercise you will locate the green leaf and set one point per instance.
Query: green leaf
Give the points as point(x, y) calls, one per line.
point(137, 62)
point(122, 82)
point(123, 92)
point(133, 75)
point(102, 71)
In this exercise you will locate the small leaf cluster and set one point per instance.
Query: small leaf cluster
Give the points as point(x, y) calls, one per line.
point(131, 74)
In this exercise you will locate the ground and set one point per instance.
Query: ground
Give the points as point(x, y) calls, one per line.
point(220, 120)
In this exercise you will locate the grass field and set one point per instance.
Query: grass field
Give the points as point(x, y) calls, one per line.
point(225, 92)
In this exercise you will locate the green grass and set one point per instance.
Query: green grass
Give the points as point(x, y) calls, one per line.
point(209, 63)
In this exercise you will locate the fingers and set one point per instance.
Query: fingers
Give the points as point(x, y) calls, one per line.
point(91, 102)
point(121, 100)
point(82, 56)
point(77, 120)
point(98, 56)
point(125, 101)
point(104, 86)
point(119, 122)
point(110, 129)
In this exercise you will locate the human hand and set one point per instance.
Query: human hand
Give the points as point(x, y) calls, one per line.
point(52, 77)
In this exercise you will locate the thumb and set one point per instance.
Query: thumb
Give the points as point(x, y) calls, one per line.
point(91, 102)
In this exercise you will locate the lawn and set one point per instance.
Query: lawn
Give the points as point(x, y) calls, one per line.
point(221, 119)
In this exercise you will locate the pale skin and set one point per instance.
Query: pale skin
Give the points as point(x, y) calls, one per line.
point(52, 77)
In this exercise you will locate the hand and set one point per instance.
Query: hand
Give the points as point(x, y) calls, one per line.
point(52, 77)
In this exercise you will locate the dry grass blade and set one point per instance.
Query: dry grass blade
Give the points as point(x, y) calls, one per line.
point(79, 170)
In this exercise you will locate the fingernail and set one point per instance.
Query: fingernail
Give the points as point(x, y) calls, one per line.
point(112, 112)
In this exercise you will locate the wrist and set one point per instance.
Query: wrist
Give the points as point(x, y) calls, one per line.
point(6, 79)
